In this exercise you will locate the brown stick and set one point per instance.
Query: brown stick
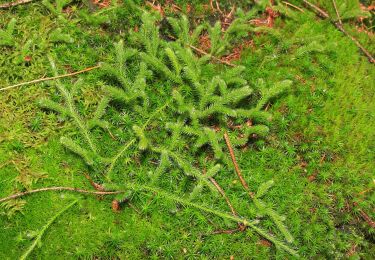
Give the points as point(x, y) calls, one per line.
point(237, 169)
point(19, 2)
point(241, 227)
point(50, 78)
point(221, 191)
point(359, 45)
point(365, 216)
point(339, 26)
point(294, 6)
point(95, 185)
point(319, 11)
point(337, 11)
point(21, 194)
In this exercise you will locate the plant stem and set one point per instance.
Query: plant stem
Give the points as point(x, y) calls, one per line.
point(15, 3)
point(21, 194)
point(222, 192)
point(294, 6)
point(50, 78)
point(337, 11)
point(119, 154)
point(237, 169)
point(43, 230)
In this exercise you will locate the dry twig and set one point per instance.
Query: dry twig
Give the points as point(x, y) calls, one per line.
point(241, 227)
point(366, 217)
point(95, 185)
point(18, 2)
point(337, 11)
point(237, 169)
point(294, 6)
point(340, 27)
point(50, 78)
point(21, 194)
point(221, 191)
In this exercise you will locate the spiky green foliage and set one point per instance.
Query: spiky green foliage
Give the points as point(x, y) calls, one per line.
point(58, 36)
point(37, 235)
point(56, 8)
point(328, 115)
point(186, 133)
point(91, 155)
point(6, 34)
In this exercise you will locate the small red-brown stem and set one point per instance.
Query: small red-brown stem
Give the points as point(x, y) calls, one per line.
point(365, 216)
point(236, 167)
point(319, 11)
point(322, 159)
point(95, 185)
point(221, 191)
point(134, 208)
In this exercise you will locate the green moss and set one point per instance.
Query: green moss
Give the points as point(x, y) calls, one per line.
point(320, 150)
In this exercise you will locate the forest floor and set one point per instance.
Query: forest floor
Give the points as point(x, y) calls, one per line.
point(320, 151)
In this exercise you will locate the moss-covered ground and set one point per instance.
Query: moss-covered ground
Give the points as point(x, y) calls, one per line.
point(320, 151)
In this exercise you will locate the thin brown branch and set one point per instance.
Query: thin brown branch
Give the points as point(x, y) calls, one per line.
point(50, 78)
point(366, 217)
point(359, 45)
point(236, 167)
point(319, 11)
point(95, 185)
point(241, 227)
point(337, 11)
point(340, 27)
point(294, 6)
point(21, 194)
point(15, 3)
point(221, 191)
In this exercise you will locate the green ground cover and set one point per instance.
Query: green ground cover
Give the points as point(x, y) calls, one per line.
point(319, 149)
